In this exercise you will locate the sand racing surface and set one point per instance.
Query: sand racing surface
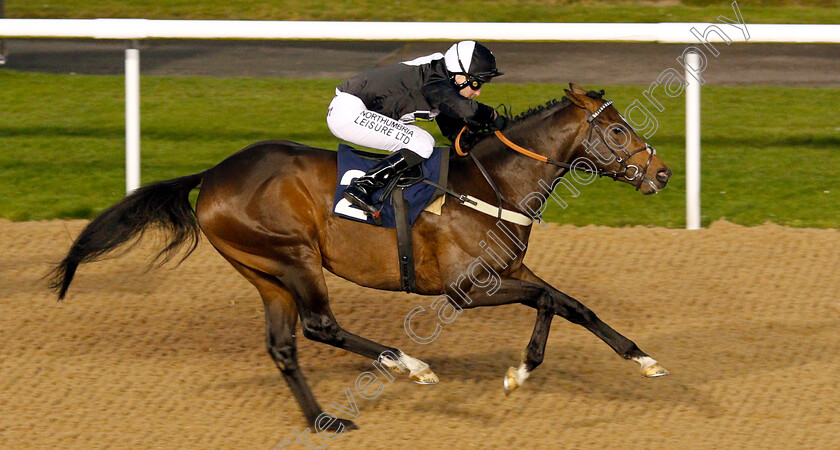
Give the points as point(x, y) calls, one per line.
point(746, 319)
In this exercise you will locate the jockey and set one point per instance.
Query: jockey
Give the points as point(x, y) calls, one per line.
point(376, 108)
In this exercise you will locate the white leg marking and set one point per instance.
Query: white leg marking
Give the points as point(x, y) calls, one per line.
point(418, 370)
point(393, 366)
point(515, 378)
point(645, 361)
point(522, 374)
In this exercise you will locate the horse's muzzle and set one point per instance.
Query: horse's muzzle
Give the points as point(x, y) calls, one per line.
point(654, 184)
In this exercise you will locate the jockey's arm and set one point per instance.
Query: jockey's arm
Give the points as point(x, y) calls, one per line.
point(449, 126)
point(442, 96)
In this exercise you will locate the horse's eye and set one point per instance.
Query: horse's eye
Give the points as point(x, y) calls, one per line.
point(617, 130)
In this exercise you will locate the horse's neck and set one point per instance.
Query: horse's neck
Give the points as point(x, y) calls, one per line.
point(518, 175)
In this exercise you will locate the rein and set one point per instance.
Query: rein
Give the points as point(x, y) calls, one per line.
point(505, 141)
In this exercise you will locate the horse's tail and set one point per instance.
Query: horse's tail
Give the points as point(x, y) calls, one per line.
point(164, 205)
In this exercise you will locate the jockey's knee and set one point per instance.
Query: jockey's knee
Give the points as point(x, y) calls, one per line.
point(343, 110)
point(422, 144)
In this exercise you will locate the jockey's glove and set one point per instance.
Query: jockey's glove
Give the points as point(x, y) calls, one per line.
point(499, 123)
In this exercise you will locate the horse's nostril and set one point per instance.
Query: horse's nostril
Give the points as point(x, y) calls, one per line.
point(663, 175)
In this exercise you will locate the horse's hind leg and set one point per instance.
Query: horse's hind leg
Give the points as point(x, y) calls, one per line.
point(310, 292)
point(280, 323)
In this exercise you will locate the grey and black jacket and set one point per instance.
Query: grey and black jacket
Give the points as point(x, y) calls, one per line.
point(418, 90)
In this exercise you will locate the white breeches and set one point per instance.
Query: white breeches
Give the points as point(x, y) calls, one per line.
point(350, 120)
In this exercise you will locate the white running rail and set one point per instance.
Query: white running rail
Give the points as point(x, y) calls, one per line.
point(665, 32)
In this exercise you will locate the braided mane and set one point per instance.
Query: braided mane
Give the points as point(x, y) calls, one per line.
point(562, 103)
point(539, 109)
point(531, 112)
point(596, 94)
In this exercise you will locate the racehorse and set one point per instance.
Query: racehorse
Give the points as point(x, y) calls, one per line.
point(267, 209)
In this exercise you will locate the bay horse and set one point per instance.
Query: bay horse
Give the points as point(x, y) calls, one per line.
point(267, 209)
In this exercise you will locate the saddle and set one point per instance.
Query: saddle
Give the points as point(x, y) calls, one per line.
point(402, 200)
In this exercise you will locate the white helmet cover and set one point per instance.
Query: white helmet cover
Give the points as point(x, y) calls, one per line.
point(459, 57)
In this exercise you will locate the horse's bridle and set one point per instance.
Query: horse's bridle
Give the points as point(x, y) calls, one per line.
point(624, 168)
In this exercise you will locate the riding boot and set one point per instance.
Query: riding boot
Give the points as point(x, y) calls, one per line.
point(392, 166)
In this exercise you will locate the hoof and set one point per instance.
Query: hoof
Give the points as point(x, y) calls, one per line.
point(349, 425)
point(654, 371)
point(337, 423)
point(425, 376)
point(510, 381)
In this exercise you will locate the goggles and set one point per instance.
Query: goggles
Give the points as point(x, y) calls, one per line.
point(472, 82)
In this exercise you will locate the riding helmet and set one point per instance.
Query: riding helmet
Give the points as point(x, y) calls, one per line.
point(472, 59)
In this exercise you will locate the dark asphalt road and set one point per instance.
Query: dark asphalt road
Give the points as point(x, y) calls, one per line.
point(584, 63)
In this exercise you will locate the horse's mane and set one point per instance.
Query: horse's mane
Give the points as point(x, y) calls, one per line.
point(548, 107)
point(562, 103)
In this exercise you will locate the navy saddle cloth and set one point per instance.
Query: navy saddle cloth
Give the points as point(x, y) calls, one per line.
point(352, 165)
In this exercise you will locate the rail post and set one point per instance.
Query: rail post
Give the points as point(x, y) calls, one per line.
point(132, 116)
point(692, 143)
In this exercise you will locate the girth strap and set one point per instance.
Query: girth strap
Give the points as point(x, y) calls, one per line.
point(404, 246)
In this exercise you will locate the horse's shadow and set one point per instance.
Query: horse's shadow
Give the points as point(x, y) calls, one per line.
point(698, 356)
point(715, 354)
point(603, 381)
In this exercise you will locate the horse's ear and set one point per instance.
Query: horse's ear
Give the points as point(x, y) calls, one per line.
point(577, 89)
point(575, 98)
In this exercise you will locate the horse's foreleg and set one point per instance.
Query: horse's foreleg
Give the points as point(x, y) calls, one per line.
point(531, 294)
point(535, 351)
point(576, 312)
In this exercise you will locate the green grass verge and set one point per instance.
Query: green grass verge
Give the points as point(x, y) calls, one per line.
point(768, 153)
point(764, 11)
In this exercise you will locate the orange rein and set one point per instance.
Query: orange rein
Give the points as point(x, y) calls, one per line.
point(505, 141)
point(458, 142)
